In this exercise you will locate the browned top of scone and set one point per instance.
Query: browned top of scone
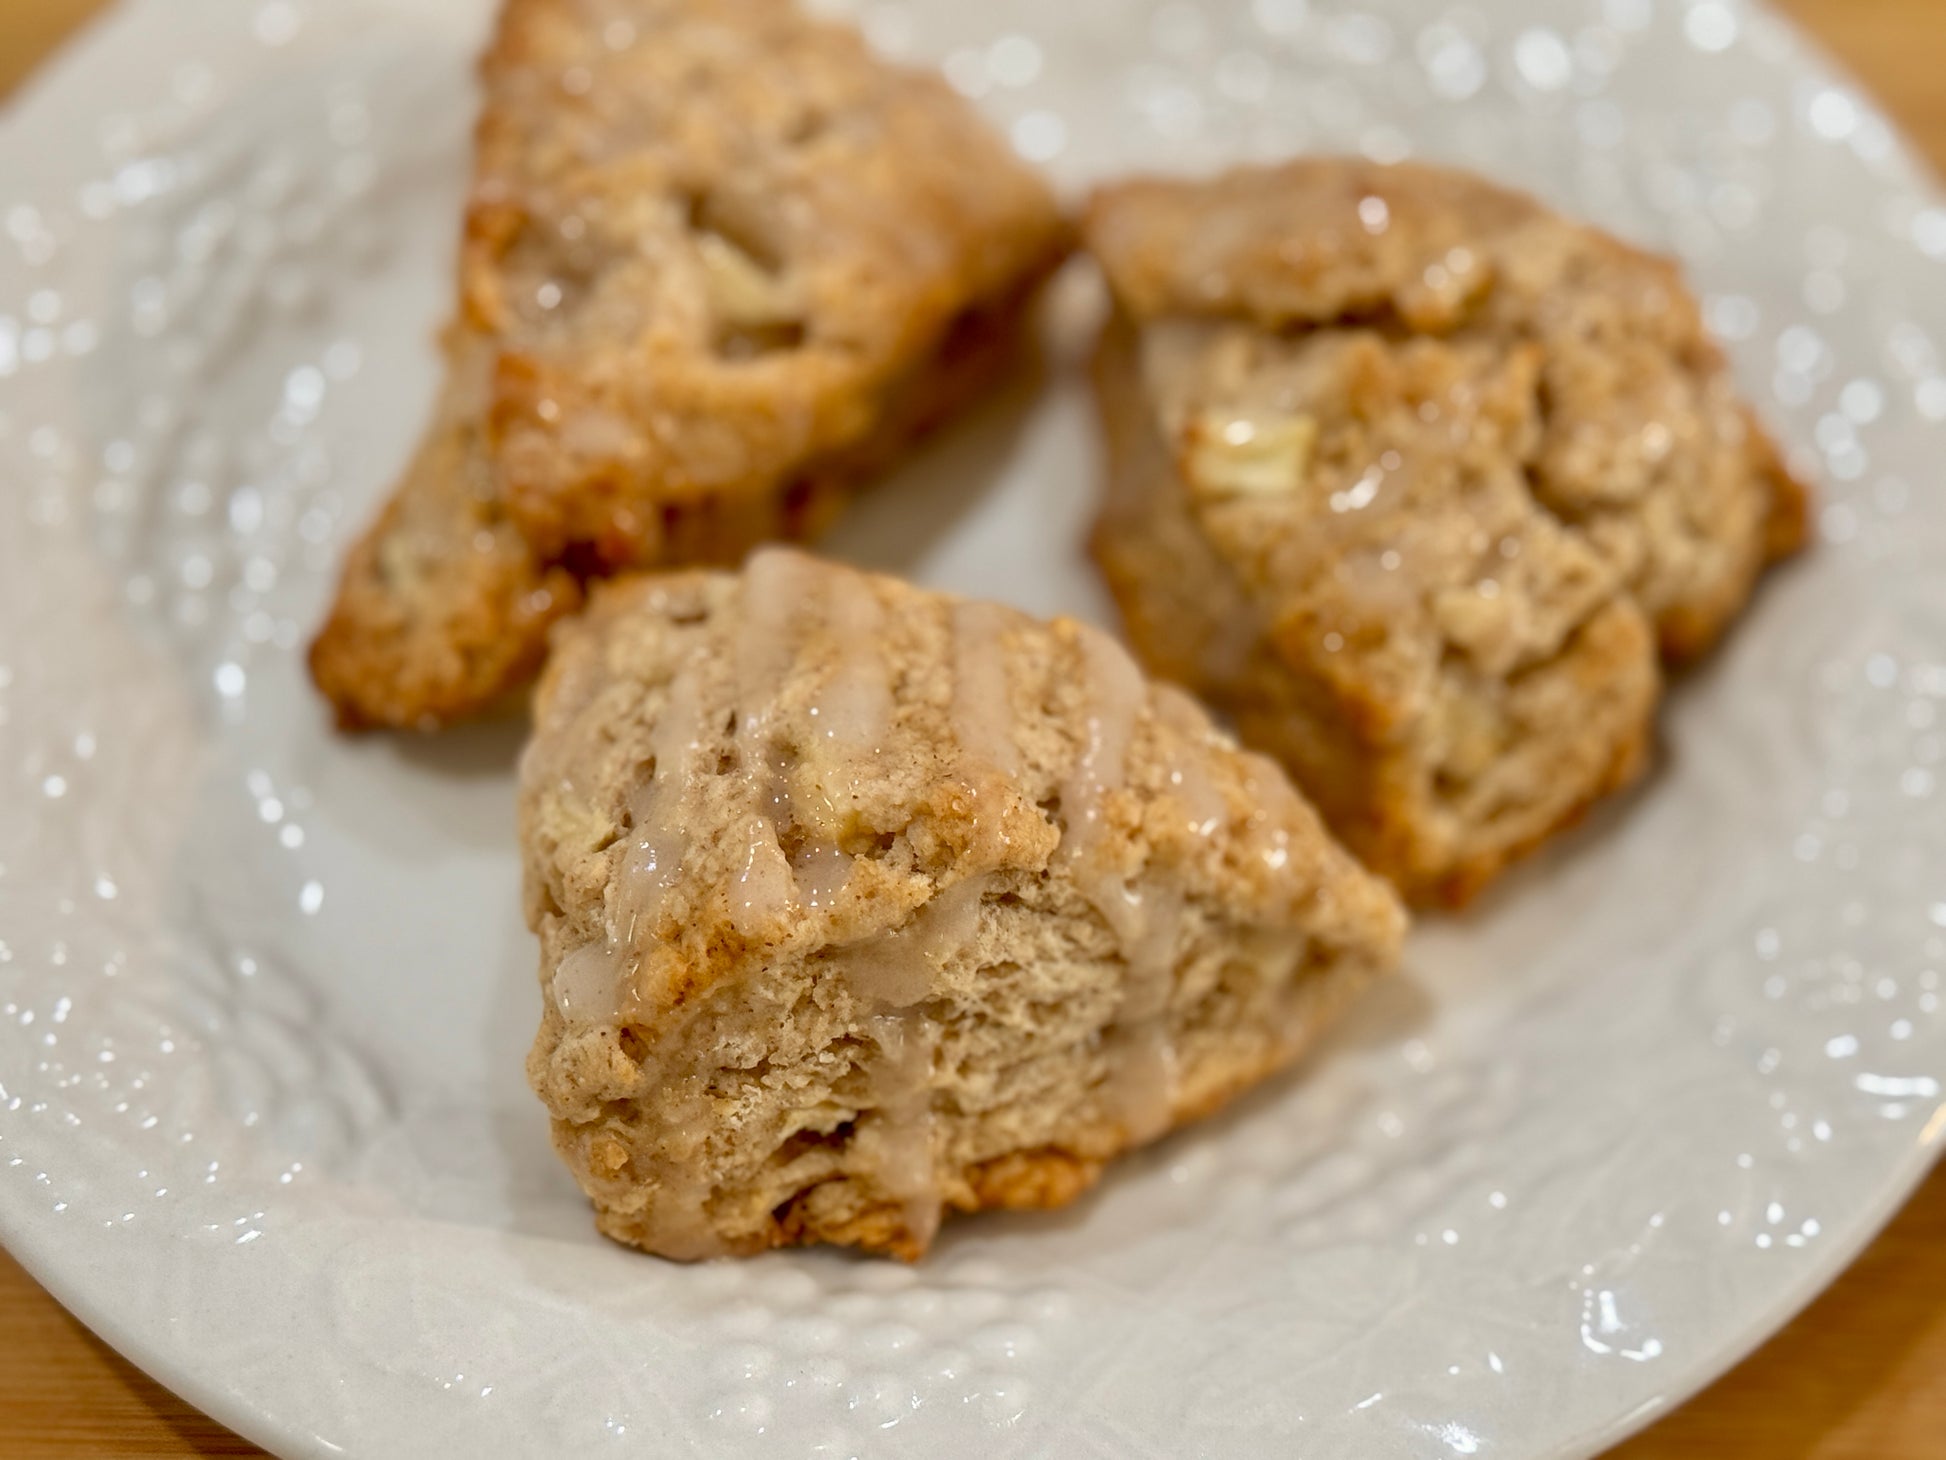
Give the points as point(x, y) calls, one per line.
point(1375, 493)
point(728, 769)
point(708, 238)
point(1641, 444)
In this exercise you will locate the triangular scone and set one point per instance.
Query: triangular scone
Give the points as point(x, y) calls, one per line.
point(1414, 479)
point(720, 264)
point(859, 903)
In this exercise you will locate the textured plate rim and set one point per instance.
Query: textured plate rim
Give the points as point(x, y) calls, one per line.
point(68, 1282)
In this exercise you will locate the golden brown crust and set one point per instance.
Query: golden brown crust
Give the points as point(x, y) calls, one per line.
point(720, 265)
point(836, 1215)
point(802, 231)
point(1644, 447)
point(1788, 531)
point(1029, 1180)
point(1417, 482)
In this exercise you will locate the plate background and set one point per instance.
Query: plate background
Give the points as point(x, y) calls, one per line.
point(1723, 1005)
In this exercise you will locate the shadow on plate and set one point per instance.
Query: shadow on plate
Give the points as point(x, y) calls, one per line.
point(481, 750)
point(895, 523)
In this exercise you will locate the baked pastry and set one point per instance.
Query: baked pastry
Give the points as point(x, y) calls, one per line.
point(859, 903)
point(720, 264)
point(1417, 481)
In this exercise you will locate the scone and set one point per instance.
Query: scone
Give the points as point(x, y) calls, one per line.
point(858, 904)
point(720, 264)
point(1418, 481)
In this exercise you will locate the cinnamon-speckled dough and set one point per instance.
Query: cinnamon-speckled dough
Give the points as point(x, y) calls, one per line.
point(859, 904)
point(1417, 481)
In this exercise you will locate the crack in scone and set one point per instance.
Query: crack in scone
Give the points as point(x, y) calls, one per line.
point(859, 904)
point(1417, 481)
point(720, 266)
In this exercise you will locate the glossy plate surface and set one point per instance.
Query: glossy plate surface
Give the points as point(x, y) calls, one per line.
point(264, 993)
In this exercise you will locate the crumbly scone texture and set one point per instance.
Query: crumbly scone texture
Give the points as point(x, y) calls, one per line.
point(720, 264)
point(1417, 480)
point(859, 904)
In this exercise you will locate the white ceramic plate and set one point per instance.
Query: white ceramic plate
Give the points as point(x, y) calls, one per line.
point(264, 993)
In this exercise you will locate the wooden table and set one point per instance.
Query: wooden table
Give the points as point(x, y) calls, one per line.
point(1860, 1376)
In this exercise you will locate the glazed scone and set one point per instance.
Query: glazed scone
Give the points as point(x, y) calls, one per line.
point(1417, 480)
point(859, 903)
point(720, 264)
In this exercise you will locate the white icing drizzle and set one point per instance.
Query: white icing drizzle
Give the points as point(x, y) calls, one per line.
point(1139, 1091)
point(895, 970)
point(586, 985)
point(855, 709)
point(1114, 693)
point(681, 1209)
point(900, 1136)
point(657, 838)
point(821, 870)
point(1141, 1083)
point(592, 984)
point(778, 585)
point(887, 973)
point(682, 1224)
point(982, 713)
point(764, 891)
point(891, 975)
point(1151, 955)
point(850, 717)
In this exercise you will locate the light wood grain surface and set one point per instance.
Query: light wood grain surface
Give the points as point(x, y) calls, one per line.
point(1861, 1375)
